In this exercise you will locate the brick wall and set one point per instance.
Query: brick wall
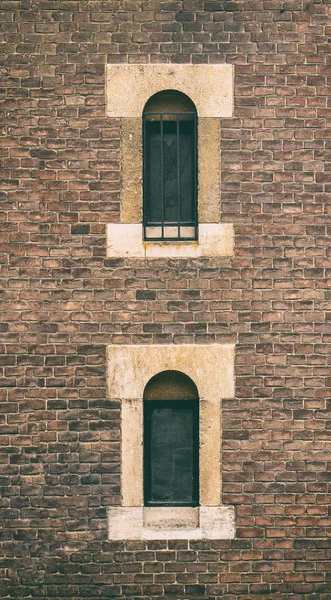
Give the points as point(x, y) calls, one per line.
point(62, 301)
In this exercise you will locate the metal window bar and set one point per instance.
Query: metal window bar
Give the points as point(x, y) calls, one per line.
point(186, 230)
point(193, 407)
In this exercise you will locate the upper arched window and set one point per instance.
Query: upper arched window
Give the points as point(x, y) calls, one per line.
point(171, 441)
point(170, 167)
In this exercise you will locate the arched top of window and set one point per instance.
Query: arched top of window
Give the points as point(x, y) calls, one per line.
point(171, 440)
point(170, 167)
point(167, 103)
point(171, 385)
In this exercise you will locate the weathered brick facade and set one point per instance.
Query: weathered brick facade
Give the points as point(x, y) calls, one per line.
point(63, 301)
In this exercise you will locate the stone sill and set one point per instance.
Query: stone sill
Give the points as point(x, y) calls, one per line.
point(126, 240)
point(141, 523)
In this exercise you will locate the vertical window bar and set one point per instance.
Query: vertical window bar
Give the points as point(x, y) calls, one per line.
point(178, 175)
point(162, 176)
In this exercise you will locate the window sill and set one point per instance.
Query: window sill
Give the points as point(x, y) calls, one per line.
point(141, 523)
point(126, 240)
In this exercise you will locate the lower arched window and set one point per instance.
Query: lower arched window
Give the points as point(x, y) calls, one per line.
point(171, 441)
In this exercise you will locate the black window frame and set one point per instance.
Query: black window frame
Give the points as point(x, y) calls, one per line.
point(180, 224)
point(149, 405)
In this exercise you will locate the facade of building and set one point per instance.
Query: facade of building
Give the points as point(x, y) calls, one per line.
point(165, 307)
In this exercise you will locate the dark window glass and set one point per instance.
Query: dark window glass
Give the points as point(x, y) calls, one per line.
point(171, 455)
point(170, 168)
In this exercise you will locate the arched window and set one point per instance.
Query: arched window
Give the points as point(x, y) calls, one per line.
point(170, 167)
point(171, 441)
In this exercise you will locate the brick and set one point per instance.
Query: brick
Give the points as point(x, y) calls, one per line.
point(63, 301)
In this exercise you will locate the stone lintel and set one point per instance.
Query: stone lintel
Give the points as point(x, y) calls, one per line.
point(129, 87)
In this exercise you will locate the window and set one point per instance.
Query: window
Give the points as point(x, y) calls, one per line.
point(170, 159)
point(171, 441)
point(170, 167)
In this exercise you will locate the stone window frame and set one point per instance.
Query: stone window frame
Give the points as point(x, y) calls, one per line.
point(211, 368)
point(128, 88)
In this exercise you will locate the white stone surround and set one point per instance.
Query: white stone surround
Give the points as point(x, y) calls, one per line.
point(211, 88)
point(129, 86)
point(125, 240)
point(211, 367)
point(140, 523)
